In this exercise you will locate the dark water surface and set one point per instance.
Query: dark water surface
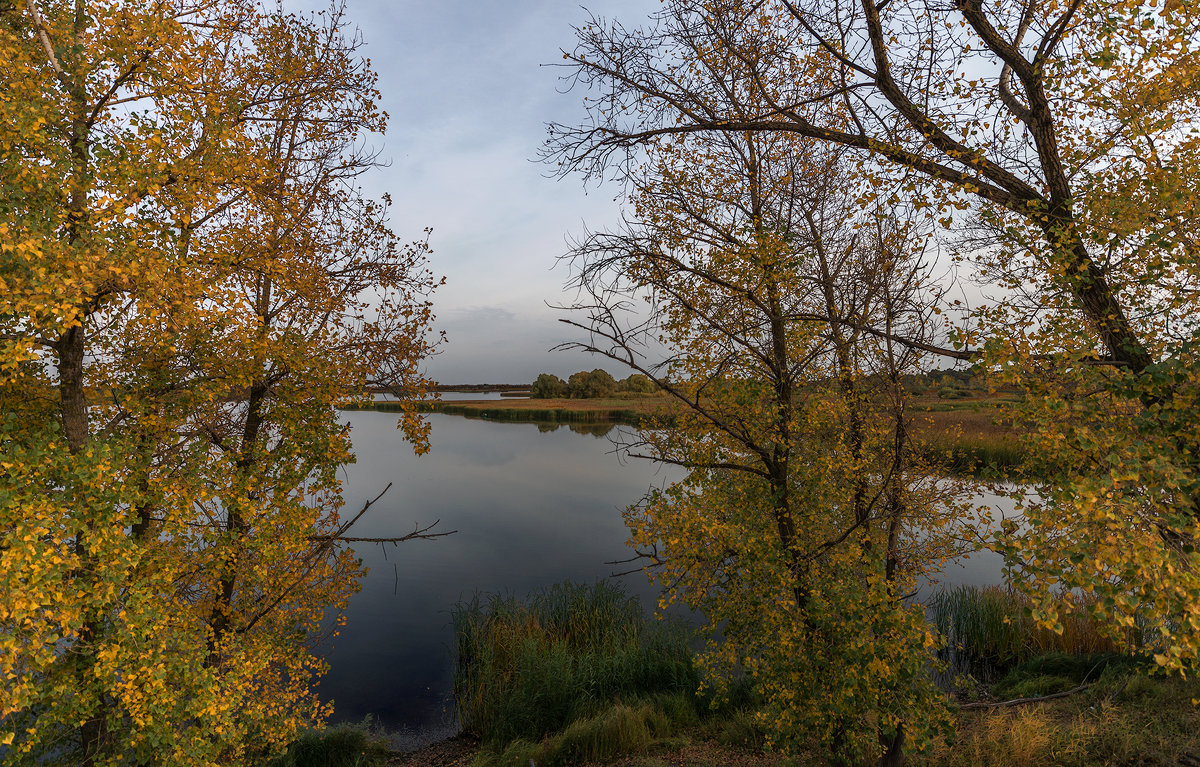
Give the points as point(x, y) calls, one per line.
point(533, 505)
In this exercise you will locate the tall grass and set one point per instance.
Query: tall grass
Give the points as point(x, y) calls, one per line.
point(990, 630)
point(1125, 719)
point(968, 441)
point(344, 745)
point(973, 455)
point(529, 668)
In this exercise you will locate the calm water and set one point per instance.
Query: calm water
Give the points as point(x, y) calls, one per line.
point(456, 396)
point(533, 505)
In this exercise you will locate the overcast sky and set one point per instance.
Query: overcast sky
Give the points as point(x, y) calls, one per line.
point(468, 95)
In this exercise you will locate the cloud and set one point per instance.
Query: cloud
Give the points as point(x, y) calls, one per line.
point(468, 95)
point(475, 317)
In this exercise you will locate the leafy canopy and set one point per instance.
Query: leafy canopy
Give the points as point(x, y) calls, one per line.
point(192, 283)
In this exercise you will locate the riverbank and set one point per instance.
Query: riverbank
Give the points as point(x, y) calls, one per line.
point(631, 411)
point(580, 675)
point(969, 435)
point(1127, 718)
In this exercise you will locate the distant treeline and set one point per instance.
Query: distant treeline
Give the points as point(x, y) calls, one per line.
point(951, 384)
point(947, 384)
point(588, 385)
point(480, 387)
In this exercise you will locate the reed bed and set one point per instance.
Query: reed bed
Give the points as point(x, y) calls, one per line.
point(615, 415)
point(528, 669)
point(971, 455)
point(967, 442)
point(989, 630)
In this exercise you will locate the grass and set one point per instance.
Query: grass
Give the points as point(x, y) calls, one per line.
point(569, 656)
point(615, 731)
point(576, 674)
point(1125, 718)
point(968, 441)
point(988, 630)
point(346, 745)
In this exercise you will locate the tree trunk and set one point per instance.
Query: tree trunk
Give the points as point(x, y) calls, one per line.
point(893, 755)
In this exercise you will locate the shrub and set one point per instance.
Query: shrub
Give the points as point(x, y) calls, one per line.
point(548, 386)
point(597, 383)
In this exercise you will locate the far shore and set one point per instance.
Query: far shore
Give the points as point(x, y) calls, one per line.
point(975, 433)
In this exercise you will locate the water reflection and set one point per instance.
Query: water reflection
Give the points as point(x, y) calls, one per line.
point(458, 396)
point(594, 429)
point(533, 504)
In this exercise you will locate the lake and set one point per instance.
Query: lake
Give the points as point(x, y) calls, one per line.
point(457, 396)
point(533, 505)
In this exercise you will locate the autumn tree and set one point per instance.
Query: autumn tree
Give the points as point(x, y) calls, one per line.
point(1061, 136)
point(192, 283)
point(590, 384)
point(805, 515)
point(548, 386)
point(637, 384)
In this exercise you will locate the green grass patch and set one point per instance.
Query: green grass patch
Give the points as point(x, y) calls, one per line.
point(570, 663)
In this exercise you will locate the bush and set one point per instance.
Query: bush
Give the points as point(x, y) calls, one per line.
point(548, 386)
point(597, 383)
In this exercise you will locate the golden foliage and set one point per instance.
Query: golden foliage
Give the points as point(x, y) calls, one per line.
point(806, 512)
point(1055, 144)
point(191, 285)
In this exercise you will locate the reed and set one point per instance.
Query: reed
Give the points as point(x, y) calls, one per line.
point(989, 630)
point(527, 669)
point(973, 455)
point(343, 745)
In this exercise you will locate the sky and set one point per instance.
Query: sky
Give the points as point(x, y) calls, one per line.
point(468, 93)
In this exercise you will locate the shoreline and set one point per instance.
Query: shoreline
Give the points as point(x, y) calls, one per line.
point(961, 434)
